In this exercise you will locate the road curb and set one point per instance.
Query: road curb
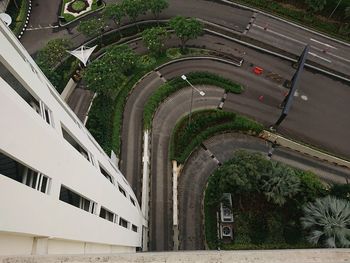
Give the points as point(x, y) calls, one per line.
point(295, 146)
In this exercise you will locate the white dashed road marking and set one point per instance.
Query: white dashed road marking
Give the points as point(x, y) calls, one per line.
point(315, 55)
point(319, 42)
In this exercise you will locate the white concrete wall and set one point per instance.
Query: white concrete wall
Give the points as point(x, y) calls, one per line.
point(247, 256)
point(27, 138)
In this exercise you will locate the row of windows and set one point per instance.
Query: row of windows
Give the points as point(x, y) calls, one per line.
point(112, 217)
point(40, 182)
point(23, 174)
point(47, 115)
point(70, 197)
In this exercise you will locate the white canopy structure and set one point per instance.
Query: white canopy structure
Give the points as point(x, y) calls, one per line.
point(83, 53)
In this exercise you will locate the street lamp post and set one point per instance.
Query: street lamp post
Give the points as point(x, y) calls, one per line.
point(202, 93)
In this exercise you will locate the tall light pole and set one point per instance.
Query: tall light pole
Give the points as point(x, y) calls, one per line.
point(202, 93)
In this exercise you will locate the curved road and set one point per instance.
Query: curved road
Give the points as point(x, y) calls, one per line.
point(247, 103)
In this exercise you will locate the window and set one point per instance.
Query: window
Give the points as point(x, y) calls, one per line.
point(74, 199)
point(22, 174)
point(106, 174)
point(17, 86)
point(46, 113)
point(123, 222)
point(121, 190)
point(132, 201)
point(134, 228)
point(69, 138)
point(110, 216)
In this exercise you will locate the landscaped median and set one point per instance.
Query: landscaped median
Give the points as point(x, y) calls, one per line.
point(186, 136)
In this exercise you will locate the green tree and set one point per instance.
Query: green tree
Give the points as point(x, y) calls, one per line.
point(50, 56)
point(186, 29)
point(157, 6)
point(92, 27)
point(107, 74)
point(103, 77)
point(134, 8)
point(280, 183)
point(315, 5)
point(114, 12)
point(122, 57)
point(154, 39)
point(53, 53)
point(328, 222)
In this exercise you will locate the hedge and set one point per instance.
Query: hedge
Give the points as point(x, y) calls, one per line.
point(200, 120)
point(240, 124)
point(100, 121)
point(196, 78)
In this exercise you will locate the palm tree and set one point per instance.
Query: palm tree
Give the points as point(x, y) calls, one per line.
point(280, 183)
point(328, 220)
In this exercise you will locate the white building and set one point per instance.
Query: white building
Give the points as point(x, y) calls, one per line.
point(59, 192)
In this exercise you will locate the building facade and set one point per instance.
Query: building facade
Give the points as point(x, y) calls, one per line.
point(59, 192)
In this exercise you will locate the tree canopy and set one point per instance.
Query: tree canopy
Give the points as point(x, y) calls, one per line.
point(186, 29)
point(53, 52)
point(154, 39)
point(92, 27)
point(114, 12)
point(157, 6)
point(106, 74)
point(134, 8)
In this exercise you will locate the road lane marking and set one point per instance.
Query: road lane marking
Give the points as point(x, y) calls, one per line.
point(315, 55)
point(319, 42)
point(281, 35)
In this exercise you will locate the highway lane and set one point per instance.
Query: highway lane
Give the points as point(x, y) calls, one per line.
point(201, 165)
point(290, 38)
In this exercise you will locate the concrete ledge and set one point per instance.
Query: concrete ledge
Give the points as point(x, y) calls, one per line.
point(68, 89)
point(247, 256)
point(304, 149)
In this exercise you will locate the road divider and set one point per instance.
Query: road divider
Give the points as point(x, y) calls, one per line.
point(145, 195)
